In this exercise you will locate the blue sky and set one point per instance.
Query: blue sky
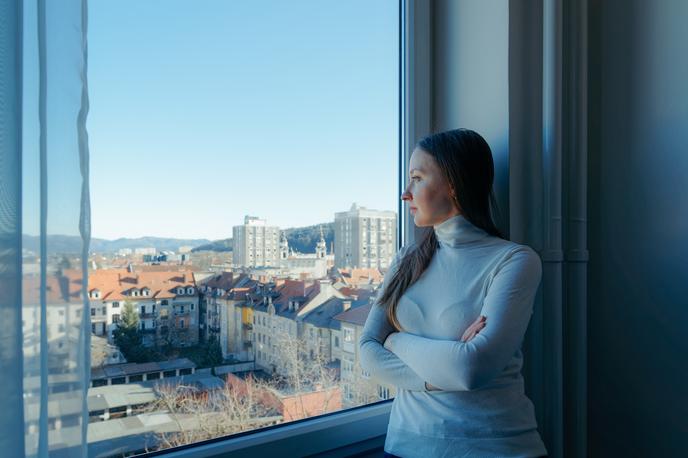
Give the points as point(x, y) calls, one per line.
point(204, 111)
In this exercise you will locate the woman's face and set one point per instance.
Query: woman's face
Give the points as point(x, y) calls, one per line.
point(428, 193)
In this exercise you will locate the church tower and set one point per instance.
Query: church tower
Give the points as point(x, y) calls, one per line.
point(321, 247)
point(284, 249)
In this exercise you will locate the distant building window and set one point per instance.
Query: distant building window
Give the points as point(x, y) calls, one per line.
point(164, 302)
point(180, 291)
point(189, 291)
point(336, 341)
point(181, 324)
point(115, 318)
point(93, 312)
point(115, 305)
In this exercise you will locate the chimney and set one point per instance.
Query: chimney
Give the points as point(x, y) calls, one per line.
point(326, 287)
point(346, 304)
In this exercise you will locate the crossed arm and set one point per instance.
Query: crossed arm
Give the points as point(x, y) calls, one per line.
point(407, 360)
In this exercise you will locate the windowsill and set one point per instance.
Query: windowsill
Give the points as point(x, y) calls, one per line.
point(337, 434)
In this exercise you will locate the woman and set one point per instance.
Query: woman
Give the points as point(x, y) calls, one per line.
point(447, 328)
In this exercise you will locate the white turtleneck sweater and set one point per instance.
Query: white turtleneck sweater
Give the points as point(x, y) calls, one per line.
point(480, 409)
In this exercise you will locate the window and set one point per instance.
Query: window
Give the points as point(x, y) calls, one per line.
point(153, 376)
point(115, 305)
point(296, 77)
point(93, 311)
point(383, 392)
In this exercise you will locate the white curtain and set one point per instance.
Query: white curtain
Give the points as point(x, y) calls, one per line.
point(44, 229)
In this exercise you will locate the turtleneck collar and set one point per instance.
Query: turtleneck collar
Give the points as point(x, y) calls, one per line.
point(457, 230)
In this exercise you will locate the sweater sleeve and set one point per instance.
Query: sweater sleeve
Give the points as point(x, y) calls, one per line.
point(381, 363)
point(508, 306)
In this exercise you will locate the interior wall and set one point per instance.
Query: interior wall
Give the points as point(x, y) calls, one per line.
point(638, 221)
point(470, 85)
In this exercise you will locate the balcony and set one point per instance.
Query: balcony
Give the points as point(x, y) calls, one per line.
point(248, 344)
point(247, 326)
point(181, 312)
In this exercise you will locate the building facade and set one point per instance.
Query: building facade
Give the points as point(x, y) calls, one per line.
point(167, 304)
point(364, 238)
point(255, 243)
point(358, 387)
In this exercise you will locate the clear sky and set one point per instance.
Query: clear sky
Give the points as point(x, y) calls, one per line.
point(204, 111)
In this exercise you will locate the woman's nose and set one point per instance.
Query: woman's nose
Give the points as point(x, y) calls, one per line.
point(406, 195)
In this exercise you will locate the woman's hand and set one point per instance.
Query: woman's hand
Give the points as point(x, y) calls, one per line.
point(474, 328)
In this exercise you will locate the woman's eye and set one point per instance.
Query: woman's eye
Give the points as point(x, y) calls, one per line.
point(414, 178)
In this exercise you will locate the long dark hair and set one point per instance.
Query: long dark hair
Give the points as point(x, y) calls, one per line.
point(465, 159)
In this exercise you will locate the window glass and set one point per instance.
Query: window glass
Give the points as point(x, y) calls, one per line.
point(274, 126)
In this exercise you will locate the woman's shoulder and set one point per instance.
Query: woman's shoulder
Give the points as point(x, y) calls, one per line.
point(521, 255)
point(507, 251)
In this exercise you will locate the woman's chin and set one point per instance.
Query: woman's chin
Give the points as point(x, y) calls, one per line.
point(420, 221)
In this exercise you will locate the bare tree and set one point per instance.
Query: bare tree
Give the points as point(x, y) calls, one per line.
point(364, 389)
point(305, 387)
point(302, 375)
point(201, 415)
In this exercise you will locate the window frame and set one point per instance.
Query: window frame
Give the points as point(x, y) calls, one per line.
point(358, 429)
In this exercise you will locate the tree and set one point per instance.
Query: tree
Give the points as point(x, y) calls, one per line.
point(128, 337)
point(307, 387)
point(213, 352)
point(201, 415)
point(363, 389)
point(303, 375)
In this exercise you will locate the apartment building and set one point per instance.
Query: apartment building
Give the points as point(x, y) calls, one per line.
point(279, 321)
point(357, 385)
point(364, 237)
point(166, 303)
point(255, 243)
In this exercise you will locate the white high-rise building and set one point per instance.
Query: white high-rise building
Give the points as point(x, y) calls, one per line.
point(364, 238)
point(255, 243)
